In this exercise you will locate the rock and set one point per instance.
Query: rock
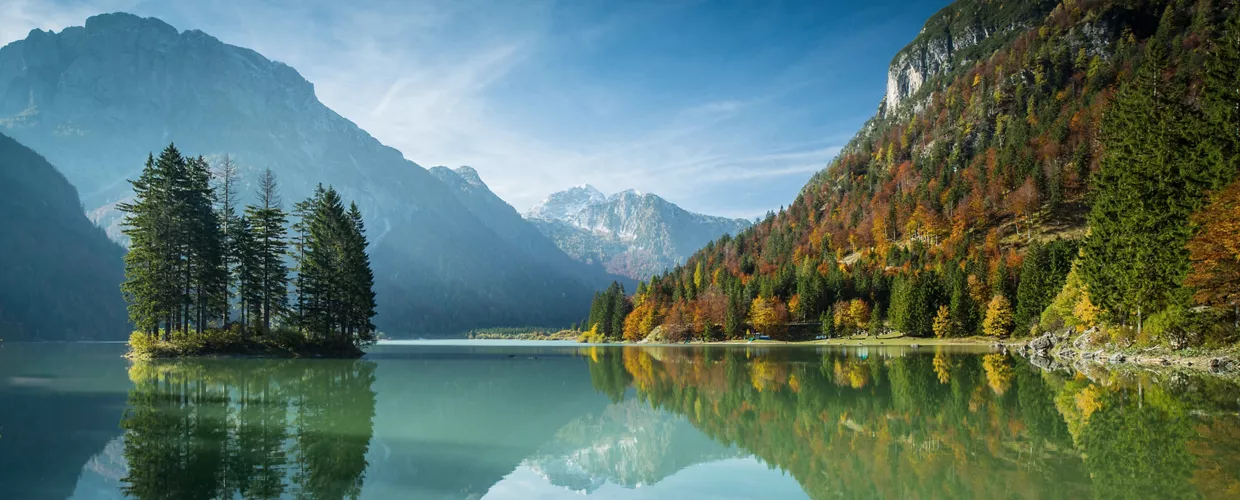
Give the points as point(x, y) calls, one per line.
point(1042, 345)
point(1117, 358)
point(914, 346)
point(1067, 353)
point(1223, 365)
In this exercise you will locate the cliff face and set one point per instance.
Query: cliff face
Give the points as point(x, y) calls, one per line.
point(953, 39)
point(97, 99)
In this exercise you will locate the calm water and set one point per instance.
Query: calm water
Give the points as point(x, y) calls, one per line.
point(437, 420)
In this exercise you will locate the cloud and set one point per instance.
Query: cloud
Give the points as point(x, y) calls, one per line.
point(500, 86)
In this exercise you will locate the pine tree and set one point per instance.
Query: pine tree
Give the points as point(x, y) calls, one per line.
point(226, 196)
point(208, 269)
point(360, 279)
point(1144, 192)
point(249, 272)
point(150, 286)
point(268, 222)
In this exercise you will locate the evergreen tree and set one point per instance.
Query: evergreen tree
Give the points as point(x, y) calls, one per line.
point(227, 195)
point(335, 279)
point(150, 286)
point(1145, 190)
point(1042, 276)
point(360, 279)
point(268, 220)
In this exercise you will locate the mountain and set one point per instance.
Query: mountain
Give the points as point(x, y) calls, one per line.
point(629, 444)
point(629, 233)
point(468, 187)
point(61, 278)
point(97, 99)
point(1010, 135)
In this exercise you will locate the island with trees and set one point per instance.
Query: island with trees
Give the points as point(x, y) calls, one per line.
point(203, 278)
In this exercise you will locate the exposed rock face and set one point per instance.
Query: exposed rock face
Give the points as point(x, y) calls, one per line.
point(629, 233)
point(952, 39)
point(97, 99)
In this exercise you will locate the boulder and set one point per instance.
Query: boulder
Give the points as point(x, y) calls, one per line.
point(1043, 344)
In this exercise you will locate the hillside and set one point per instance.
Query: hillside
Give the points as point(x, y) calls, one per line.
point(97, 99)
point(61, 278)
point(969, 192)
point(629, 233)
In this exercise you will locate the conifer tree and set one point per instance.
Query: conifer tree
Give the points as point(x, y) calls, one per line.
point(226, 197)
point(1144, 192)
point(150, 286)
point(268, 220)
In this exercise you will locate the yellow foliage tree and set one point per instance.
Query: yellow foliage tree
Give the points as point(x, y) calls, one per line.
point(998, 320)
point(761, 314)
point(943, 322)
point(859, 313)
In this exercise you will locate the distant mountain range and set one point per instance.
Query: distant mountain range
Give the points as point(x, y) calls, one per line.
point(447, 254)
point(629, 233)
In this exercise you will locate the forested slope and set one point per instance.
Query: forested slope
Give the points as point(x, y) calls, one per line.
point(960, 207)
point(61, 275)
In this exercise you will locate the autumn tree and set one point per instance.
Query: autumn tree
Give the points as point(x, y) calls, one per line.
point(943, 322)
point(998, 320)
point(1215, 252)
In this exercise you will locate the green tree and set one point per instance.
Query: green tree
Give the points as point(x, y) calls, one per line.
point(1042, 276)
point(268, 223)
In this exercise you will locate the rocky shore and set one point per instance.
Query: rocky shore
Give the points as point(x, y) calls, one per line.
point(1066, 349)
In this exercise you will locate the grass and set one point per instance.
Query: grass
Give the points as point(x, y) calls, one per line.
point(277, 343)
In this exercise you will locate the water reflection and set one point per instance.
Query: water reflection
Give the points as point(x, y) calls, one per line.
point(258, 429)
point(895, 424)
point(610, 422)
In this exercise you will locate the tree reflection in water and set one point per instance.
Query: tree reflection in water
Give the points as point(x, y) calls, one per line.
point(904, 424)
point(254, 428)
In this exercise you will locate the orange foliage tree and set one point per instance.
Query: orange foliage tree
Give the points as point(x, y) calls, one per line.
point(1215, 251)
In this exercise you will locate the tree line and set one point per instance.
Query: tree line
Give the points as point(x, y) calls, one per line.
point(196, 263)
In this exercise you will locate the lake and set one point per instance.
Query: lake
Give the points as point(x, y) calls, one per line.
point(516, 420)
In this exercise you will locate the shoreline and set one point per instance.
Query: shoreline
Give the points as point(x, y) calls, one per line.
point(1066, 350)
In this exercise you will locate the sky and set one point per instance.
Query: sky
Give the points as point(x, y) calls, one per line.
point(723, 107)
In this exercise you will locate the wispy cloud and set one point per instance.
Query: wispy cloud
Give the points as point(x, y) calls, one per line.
point(514, 89)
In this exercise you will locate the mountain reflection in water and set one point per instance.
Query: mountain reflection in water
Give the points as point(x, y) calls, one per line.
point(474, 420)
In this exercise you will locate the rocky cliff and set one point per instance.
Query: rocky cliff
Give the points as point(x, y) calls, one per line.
point(953, 39)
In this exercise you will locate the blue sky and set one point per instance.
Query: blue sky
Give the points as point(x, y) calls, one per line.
point(724, 107)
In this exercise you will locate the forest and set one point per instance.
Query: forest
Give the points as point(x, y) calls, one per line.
point(193, 257)
point(1079, 175)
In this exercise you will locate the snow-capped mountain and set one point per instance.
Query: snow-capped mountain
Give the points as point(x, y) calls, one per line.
point(630, 233)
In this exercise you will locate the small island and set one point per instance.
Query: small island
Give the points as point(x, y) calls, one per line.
point(202, 279)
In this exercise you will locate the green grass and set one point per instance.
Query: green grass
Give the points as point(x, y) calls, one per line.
point(277, 343)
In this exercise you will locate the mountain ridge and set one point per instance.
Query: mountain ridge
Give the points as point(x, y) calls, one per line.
point(630, 233)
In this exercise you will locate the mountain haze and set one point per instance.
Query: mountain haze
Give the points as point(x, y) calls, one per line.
point(629, 233)
point(97, 99)
point(61, 278)
point(499, 216)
